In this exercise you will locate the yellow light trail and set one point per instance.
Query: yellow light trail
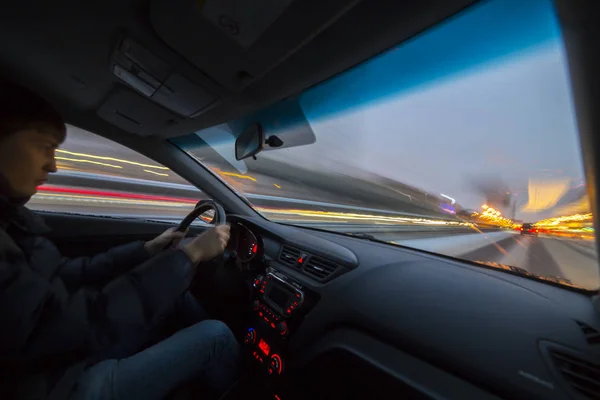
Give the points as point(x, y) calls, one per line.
point(156, 173)
point(110, 159)
point(112, 200)
point(316, 215)
point(493, 216)
point(359, 217)
point(567, 218)
point(88, 161)
point(277, 186)
point(239, 175)
point(61, 166)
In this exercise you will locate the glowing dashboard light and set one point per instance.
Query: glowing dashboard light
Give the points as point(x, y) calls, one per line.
point(264, 346)
point(254, 248)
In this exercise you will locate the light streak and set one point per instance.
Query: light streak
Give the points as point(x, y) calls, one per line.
point(156, 173)
point(88, 161)
point(233, 174)
point(111, 159)
point(56, 189)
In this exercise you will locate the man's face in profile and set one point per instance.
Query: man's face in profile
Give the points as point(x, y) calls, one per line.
point(26, 159)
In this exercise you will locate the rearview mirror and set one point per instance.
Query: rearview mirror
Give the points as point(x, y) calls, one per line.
point(250, 142)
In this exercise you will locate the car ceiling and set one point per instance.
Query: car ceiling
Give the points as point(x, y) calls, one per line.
point(236, 58)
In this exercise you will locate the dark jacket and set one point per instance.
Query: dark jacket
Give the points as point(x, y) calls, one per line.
point(57, 312)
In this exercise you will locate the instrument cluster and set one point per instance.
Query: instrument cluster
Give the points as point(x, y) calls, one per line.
point(246, 245)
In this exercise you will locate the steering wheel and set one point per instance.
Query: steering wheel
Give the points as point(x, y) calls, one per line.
point(201, 207)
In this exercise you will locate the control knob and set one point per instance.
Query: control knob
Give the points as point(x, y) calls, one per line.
point(282, 328)
point(275, 364)
point(250, 336)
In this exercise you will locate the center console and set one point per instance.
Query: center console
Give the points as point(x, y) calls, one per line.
point(279, 306)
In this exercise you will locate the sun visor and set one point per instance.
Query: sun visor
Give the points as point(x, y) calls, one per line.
point(135, 114)
point(137, 67)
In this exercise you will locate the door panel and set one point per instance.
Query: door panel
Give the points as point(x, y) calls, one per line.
point(81, 235)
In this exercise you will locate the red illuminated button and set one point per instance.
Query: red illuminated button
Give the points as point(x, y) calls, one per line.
point(264, 347)
point(282, 327)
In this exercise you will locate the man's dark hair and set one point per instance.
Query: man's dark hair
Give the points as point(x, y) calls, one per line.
point(21, 109)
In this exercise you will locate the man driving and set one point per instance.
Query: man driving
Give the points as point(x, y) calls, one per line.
point(80, 327)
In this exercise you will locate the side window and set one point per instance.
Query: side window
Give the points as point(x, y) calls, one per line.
point(97, 176)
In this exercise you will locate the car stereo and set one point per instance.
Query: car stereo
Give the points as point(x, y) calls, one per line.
point(280, 295)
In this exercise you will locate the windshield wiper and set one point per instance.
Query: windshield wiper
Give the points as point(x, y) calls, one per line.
point(367, 236)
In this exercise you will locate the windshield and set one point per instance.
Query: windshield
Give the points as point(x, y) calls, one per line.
point(446, 143)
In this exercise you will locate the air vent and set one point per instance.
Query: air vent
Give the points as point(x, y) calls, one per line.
point(320, 268)
point(289, 256)
point(591, 335)
point(582, 375)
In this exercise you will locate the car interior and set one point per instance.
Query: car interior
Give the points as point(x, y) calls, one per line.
point(319, 314)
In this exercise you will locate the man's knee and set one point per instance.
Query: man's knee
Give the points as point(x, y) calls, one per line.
point(217, 330)
point(225, 353)
point(222, 349)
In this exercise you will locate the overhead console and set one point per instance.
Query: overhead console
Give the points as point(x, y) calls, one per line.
point(153, 78)
point(160, 96)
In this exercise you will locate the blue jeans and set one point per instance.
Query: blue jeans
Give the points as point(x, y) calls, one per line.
point(205, 351)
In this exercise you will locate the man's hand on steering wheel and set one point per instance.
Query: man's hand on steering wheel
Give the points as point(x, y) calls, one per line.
point(207, 245)
point(204, 247)
point(169, 237)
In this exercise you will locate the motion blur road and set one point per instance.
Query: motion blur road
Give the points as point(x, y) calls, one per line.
point(566, 259)
point(573, 260)
point(97, 177)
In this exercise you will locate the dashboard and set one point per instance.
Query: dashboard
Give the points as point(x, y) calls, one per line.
point(334, 316)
